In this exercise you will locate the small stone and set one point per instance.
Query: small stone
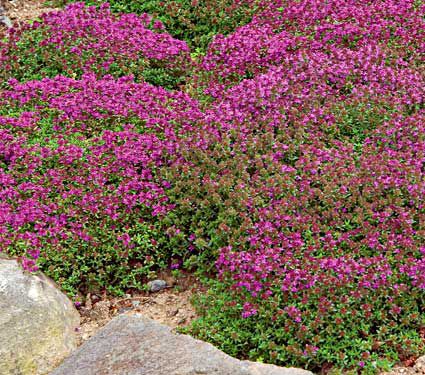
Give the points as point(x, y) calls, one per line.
point(124, 310)
point(156, 285)
point(173, 312)
point(135, 303)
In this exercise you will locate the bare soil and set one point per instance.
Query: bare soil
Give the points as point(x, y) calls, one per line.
point(20, 11)
point(171, 306)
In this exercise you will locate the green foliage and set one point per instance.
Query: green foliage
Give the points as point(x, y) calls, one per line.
point(79, 267)
point(356, 121)
point(341, 338)
point(27, 60)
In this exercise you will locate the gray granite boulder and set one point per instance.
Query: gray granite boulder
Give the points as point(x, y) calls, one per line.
point(37, 322)
point(136, 345)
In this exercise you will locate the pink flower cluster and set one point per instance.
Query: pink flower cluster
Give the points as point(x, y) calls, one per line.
point(336, 41)
point(93, 175)
point(88, 28)
point(334, 212)
point(82, 39)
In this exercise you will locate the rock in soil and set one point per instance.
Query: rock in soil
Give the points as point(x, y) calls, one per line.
point(157, 285)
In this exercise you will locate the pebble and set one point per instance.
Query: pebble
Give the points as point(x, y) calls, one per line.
point(173, 312)
point(123, 310)
point(156, 285)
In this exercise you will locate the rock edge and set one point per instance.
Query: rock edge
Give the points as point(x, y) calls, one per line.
point(133, 344)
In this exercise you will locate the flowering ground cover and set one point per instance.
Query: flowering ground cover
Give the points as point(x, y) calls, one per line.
point(75, 42)
point(284, 162)
point(195, 21)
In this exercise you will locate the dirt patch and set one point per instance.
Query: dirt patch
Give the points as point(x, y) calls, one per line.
point(171, 306)
point(22, 11)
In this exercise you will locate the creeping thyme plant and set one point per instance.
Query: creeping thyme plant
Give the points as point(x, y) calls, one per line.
point(278, 151)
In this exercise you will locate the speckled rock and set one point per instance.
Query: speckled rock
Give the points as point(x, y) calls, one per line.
point(157, 285)
point(37, 322)
point(134, 344)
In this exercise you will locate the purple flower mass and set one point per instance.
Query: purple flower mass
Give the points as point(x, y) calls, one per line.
point(293, 156)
